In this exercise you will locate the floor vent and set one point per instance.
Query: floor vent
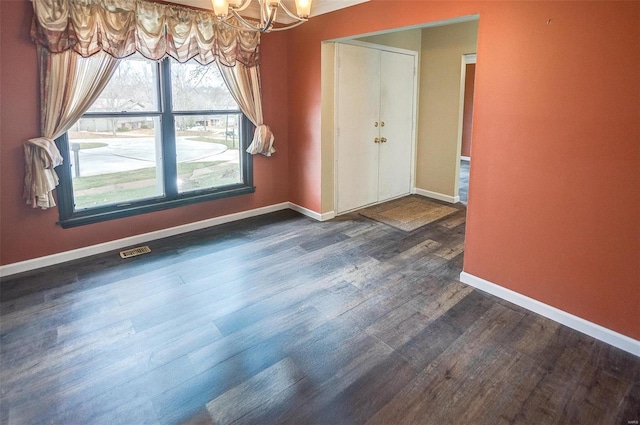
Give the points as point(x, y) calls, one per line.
point(135, 251)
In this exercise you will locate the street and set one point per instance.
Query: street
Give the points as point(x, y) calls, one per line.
point(125, 154)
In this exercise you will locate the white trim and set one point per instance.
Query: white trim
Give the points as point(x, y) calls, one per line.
point(327, 216)
point(616, 339)
point(312, 214)
point(75, 254)
point(465, 158)
point(62, 257)
point(436, 195)
point(470, 58)
point(457, 20)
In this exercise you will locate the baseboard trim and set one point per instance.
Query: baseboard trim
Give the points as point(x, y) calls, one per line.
point(63, 257)
point(436, 195)
point(594, 330)
point(312, 214)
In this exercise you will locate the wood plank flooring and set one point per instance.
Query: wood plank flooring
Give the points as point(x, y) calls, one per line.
point(283, 320)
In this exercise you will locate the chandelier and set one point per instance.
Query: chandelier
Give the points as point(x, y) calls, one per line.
point(225, 10)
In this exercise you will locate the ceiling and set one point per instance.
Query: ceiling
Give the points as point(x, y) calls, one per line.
point(318, 7)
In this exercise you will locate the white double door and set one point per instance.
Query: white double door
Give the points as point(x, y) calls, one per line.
point(375, 104)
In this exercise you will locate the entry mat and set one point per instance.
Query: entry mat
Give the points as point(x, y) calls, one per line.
point(408, 213)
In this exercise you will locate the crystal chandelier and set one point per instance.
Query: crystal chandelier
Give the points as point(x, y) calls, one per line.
point(226, 9)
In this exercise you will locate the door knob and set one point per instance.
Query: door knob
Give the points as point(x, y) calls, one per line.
point(376, 140)
point(383, 140)
point(375, 124)
point(382, 124)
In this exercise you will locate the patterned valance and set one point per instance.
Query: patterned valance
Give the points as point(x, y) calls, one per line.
point(122, 27)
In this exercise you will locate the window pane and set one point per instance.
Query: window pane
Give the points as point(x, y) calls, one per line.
point(208, 151)
point(196, 87)
point(133, 87)
point(113, 167)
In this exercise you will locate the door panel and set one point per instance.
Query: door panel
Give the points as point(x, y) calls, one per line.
point(357, 109)
point(397, 93)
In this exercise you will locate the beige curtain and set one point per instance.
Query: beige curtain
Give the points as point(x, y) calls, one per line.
point(79, 42)
point(244, 85)
point(69, 84)
point(122, 27)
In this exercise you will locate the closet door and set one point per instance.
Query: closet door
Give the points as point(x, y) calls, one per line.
point(397, 93)
point(357, 111)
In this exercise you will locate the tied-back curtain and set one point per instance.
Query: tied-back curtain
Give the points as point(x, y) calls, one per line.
point(122, 27)
point(68, 32)
point(244, 85)
point(69, 84)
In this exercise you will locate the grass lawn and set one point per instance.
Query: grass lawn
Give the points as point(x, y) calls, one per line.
point(91, 191)
point(229, 142)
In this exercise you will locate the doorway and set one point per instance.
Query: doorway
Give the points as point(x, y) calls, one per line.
point(375, 114)
point(467, 86)
point(438, 122)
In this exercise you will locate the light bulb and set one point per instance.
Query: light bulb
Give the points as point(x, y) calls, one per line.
point(303, 7)
point(220, 8)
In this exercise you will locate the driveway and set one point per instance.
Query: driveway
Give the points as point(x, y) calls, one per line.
point(126, 154)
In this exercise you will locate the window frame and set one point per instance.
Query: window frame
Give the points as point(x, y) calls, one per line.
point(172, 198)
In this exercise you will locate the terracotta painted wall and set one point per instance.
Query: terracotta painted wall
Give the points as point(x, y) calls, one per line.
point(467, 115)
point(554, 193)
point(26, 233)
point(554, 205)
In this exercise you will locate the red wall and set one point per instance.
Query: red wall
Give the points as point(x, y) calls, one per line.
point(26, 233)
point(467, 115)
point(554, 201)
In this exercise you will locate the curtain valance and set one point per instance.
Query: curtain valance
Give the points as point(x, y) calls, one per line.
point(122, 27)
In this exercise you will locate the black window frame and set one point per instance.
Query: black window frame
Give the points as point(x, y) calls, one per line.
point(69, 217)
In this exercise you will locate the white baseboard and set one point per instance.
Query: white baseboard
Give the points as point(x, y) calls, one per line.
point(436, 195)
point(465, 158)
point(75, 254)
point(312, 214)
point(62, 257)
point(616, 339)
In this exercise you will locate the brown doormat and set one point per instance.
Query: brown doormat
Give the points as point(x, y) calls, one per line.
point(408, 213)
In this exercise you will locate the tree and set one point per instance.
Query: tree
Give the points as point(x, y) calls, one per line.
point(128, 90)
point(199, 87)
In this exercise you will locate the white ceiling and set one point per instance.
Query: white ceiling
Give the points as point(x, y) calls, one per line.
point(318, 7)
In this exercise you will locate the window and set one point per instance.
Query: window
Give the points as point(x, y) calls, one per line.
point(159, 136)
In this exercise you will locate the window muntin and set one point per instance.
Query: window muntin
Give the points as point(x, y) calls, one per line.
point(149, 156)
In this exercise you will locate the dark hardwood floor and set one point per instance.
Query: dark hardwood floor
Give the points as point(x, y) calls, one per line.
point(281, 319)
